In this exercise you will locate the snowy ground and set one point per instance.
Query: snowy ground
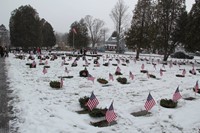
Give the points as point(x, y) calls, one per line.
point(40, 109)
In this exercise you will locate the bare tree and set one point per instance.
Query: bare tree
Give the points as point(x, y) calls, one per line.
point(119, 16)
point(95, 27)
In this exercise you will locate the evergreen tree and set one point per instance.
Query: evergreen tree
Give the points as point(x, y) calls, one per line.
point(168, 12)
point(25, 27)
point(138, 35)
point(78, 35)
point(181, 30)
point(48, 37)
point(193, 27)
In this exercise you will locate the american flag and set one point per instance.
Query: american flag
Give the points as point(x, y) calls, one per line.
point(110, 114)
point(66, 70)
point(74, 30)
point(196, 87)
point(44, 70)
point(61, 82)
point(118, 69)
point(131, 75)
point(33, 64)
point(111, 77)
point(176, 95)
point(149, 103)
point(170, 64)
point(46, 62)
point(193, 71)
point(161, 72)
point(184, 72)
point(142, 67)
point(90, 77)
point(62, 63)
point(92, 102)
point(86, 62)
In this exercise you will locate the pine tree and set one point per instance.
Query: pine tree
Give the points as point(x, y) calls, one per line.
point(168, 12)
point(25, 27)
point(138, 35)
point(193, 27)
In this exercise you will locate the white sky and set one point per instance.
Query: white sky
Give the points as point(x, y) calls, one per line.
point(62, 13)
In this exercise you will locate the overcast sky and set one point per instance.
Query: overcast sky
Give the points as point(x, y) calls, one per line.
point(62, 13)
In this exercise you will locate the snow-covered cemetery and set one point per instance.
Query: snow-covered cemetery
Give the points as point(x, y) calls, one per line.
point(117, 66)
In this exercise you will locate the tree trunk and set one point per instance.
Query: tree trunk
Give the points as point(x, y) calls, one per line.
point(137, 53)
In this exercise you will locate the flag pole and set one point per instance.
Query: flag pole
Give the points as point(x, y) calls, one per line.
point(73, 39)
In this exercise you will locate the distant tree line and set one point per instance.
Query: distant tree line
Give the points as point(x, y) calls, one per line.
point(161, 25)
point(27, 30)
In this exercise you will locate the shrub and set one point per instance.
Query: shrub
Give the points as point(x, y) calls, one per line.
point(168, 103)
point(122, 80)
point(102, 81)
point(55, 84)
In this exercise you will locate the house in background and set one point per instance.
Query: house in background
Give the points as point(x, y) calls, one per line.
point(4, 36)
point(111, 44)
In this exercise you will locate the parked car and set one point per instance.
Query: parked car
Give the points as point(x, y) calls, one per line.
point(181, 55)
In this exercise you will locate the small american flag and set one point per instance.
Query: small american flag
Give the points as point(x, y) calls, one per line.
point(61, 82)
point(33, 64)
point(196, 87)
point(142, 67)
point(193, 71)
point(92, 102)
point(161, 72)
point(184, 72)
point(74, 30)
point(131, 75)
point(62, 63)
point(66, 70)
point(176, 95)
point(44, 70)
point(170, 64)
point(110, 114)
point(90, 77)
point(46, 62)
point(118, 69)
point(111, 77)
point(149, 103)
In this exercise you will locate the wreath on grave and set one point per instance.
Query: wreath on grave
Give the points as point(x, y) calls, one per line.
point(122, 80)
point(41, 63)
point(32, 66)
point(179, 75)
point(55, 84)
point(96, 112)
point(143, 71)
point(193, 73)
point(168, 103)
point(198, 91)
point(84, 73)
point(118, 73)
point(102, 81)
point(106, 64)
point(152, 76)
